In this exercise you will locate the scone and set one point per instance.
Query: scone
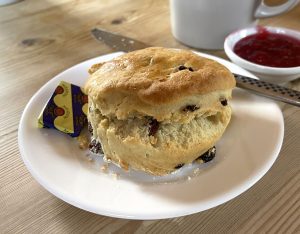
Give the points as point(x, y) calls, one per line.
point(157, 109)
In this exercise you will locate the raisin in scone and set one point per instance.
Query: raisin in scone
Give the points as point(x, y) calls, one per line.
point(157, 108)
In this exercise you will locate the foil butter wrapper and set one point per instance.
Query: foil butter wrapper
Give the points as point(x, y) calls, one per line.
point(66, 110)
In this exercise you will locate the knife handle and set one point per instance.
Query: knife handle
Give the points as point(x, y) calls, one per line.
point(269, 90)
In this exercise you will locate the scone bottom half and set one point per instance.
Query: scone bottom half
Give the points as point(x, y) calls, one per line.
point(158, 109)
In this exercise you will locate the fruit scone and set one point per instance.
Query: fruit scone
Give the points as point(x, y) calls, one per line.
point(157, 109)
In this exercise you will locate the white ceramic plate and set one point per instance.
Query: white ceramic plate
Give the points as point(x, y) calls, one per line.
point(244, 154)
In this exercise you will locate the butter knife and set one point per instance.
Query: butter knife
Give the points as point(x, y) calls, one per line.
point(259, 87)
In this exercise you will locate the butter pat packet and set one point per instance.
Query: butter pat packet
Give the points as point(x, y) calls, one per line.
point(66, 110)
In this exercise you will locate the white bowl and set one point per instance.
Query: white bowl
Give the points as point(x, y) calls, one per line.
point(271, 74)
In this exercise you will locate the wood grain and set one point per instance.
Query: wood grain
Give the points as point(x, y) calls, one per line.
point(39, 39)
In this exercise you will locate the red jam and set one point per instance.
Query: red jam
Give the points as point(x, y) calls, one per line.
point(269, 49)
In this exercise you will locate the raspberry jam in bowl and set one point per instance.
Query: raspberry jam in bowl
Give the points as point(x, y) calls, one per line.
point(272, 53)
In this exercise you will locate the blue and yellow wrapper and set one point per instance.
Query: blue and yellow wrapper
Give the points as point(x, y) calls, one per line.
point(66, 110)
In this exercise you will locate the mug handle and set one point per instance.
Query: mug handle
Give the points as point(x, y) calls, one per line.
point(264, 11)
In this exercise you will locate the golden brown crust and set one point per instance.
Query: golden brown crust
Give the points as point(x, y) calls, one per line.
point(153, 76)
point(94, 68)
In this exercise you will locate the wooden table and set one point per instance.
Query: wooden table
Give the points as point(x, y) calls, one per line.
point(39, 39)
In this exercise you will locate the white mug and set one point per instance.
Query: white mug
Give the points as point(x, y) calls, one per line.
point(205, 23)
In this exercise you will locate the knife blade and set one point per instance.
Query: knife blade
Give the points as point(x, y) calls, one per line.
point(259, 87)
point(118, 42)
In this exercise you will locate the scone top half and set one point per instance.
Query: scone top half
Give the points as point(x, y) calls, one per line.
point(168, 85)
